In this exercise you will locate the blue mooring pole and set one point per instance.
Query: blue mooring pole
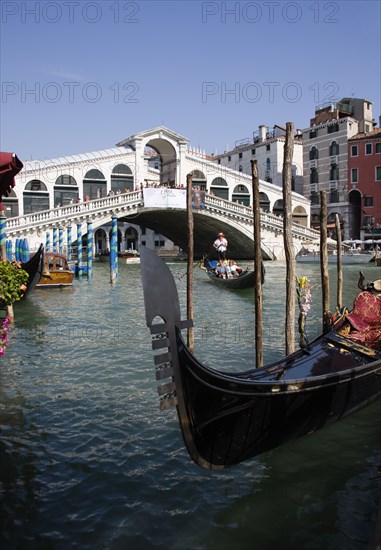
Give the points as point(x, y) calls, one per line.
point(60, 240)
point(79, 249)
point(69, 249)
point(89, 249)
point(47, 241)
point(2, 235)
point(55, 239)
point(26, 250)
point(114, 250)
point(9, 250)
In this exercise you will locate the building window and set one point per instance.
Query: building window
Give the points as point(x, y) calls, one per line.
point(334, 173)
point(368, 222)
point(240, 168)
point(253, 151)
point(268, 147)
point(314, 176)
point(378, 173)
point(368, 149)
point(313, 134)
point(354, 151)
point(314, 153)
point(219, 161)
point(240, 155)
point(354, 175)
point(333, 128)
point(368, 201)
point(333, 149)
point(229, 158)
point(378, 148)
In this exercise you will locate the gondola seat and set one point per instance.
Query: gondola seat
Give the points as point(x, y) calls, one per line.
point(365, 319)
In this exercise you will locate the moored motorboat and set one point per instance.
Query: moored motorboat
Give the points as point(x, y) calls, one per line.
point(56, 272)
point(229, 417)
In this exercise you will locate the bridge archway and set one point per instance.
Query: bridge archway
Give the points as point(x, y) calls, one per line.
point(299, 215)
point(11, 205)
point(131, 238)
point(167, 160)
point(65, 190)
point(278, 207)
point(122, 179)
point(94, 184)
point(264, 202)
point(198, 180)
point(219, 187)
point(35, 197)
point(241, 194)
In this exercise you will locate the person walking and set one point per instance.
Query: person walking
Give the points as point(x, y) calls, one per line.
point(221, 245)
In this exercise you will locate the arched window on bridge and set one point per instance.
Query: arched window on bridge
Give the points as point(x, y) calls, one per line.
point(241, 195)
point(278, 207)
point(299, 215)
point(219, 188)
point(198, 180)
point(315, 221)
point(65, 190)
point(35, 197)
point(264, 202)
point(94, 184)
point(122, 179)
point(11, 205)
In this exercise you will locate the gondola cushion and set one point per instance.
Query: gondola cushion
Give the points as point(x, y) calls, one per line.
point(365, 319)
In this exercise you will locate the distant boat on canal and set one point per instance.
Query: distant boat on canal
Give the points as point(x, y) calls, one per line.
point(56, 272)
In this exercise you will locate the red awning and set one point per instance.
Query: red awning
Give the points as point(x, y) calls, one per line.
point(10, 165)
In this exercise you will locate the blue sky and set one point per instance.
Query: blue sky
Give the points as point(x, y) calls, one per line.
point(80, 76)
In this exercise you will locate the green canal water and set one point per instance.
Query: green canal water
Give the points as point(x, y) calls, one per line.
point(88, 460)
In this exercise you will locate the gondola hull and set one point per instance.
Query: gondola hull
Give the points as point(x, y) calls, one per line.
point(34, 268)
point(244, 280)
point(227, 418)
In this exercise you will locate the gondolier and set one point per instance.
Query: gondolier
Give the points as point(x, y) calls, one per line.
point(221, 245)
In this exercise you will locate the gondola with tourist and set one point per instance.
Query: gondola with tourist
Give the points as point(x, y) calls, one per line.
point(229, 417)
point(241, 280)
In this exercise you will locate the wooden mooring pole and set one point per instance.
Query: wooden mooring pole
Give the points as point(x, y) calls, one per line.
point(190, 314)
point(258, 298)
point(324, 261)
point(288, 240)
point(339, 295)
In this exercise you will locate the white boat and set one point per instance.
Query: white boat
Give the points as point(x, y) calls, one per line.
point(352, 256)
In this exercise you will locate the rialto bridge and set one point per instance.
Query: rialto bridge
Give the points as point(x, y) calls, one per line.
point(90, 188)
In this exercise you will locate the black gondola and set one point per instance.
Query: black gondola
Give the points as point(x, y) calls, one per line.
point(246, 279)
point(34, 268)
point(227, 418)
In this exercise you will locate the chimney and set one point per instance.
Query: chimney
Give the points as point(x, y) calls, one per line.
point(262, 133)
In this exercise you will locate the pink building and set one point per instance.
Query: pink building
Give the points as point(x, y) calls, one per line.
point(364, 185)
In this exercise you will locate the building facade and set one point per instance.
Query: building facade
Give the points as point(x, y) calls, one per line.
point(325, 158)
point(267, 147)
point(364, 185)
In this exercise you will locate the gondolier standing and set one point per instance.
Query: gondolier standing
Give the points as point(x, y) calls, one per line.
point(221, 245)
